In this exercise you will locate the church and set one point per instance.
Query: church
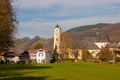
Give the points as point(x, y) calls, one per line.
point(57, 34)
point(57, 43)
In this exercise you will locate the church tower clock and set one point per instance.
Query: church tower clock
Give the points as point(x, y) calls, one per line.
point(57, 33)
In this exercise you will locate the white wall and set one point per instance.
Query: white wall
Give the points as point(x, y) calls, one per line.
point(101, 44)
point(42, 56)
point(33, 56)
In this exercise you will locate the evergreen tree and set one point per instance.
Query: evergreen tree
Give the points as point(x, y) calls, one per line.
point(55, 54)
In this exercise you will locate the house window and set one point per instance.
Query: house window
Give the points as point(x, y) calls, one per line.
point(42, 55)
point(39, 55)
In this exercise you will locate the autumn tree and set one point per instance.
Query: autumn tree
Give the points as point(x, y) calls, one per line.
point(86, 56)
point(66, 42)
point(38, 45)
point(105, 54)
point(7, 25)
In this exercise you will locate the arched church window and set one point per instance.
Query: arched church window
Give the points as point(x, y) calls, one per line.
point(56, 39)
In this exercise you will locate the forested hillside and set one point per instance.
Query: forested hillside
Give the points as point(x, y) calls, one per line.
point(87, 27)
point(86, 35)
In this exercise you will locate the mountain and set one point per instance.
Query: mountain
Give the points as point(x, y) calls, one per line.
point(89, 34)
point(87, 27)
point(27, 43)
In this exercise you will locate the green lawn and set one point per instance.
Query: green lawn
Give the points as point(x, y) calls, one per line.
point(60, 71)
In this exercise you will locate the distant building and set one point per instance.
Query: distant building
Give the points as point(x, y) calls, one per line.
point(101, 44)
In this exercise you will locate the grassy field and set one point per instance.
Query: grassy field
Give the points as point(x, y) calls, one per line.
point(60, 71)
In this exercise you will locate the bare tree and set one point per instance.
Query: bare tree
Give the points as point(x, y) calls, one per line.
point(66, 42)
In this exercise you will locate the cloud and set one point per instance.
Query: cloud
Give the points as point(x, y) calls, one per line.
point(35, 3)
point(46, 29)
point(64, 3)
point(66, 8)
point(39, 17)
point(35, 28)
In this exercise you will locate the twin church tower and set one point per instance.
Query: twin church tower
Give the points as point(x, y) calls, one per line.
point(57, 34)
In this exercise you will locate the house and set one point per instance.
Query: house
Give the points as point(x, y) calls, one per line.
point(39, 56)
point(101, 44)
point(11, 57)
point(42, 56)
point(2, 60)
point(33, 56)
point(72, 55)
point(115, 48)
point(32, 53)
point(15, 57)
point(97, 46)
point(24, 57)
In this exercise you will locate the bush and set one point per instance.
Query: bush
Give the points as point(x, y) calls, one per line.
point(117, 59)
point(32, 61)
point(69, 59)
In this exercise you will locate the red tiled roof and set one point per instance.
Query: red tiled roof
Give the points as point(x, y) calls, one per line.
point(31, 51)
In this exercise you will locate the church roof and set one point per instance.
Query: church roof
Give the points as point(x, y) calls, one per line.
point(57, 26)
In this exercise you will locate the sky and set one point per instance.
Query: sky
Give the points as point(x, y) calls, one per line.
point(39, 17)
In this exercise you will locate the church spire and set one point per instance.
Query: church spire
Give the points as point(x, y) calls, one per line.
point(57, 26)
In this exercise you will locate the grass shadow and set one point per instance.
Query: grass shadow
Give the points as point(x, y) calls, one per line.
point(58, 79)
point(12, 72)
point(27, 78)
point(21, 67)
